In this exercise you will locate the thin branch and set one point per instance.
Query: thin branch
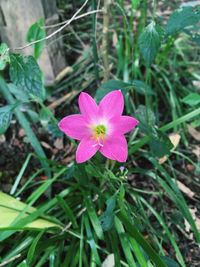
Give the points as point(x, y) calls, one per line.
point(106, 20)
point(55, 32)
point(76, 18)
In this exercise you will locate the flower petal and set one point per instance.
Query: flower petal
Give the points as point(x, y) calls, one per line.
point(74, 126)
point(86, 149)
point(115, 148)
point(123, 124)
point(112, 104)
point(88, 106)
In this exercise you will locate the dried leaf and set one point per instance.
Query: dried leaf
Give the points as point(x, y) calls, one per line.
point(66, 71)
point(59, 143)
point(47, 146)
point(194, 133)
point(196, 219)
point(196, 151)
point(2, 138)
point(175, 139)
point(109, 261)
point(185, 189)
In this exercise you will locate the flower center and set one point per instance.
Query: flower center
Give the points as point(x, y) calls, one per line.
point(100, 130)
point(98, 133)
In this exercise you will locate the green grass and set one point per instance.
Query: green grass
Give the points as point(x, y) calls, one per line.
point(92, 210)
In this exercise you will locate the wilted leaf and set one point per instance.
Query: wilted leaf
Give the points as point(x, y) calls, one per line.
point(149, 42)
point(182, 18)
point(37, 32)
point(26, 75)
point(4, 55)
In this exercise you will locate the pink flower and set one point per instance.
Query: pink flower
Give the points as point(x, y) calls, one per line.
point(99, 127)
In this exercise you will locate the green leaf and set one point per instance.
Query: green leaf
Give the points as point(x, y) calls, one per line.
point(26, 75)
point(133, 232)
point(107, 218)
point(182, 18)
point(111, 85)
point(149, 42)
point(10, 208)
point(20, 95)
point(192, 99)
point(4, 55)
point(160, 144)
point(135, 3)
point(5, 117)
point(94, 218)
point(23, 264)
point(142, 88)
point(170, 262)
point(31, 252)
point(146, 119)
point(37, 32)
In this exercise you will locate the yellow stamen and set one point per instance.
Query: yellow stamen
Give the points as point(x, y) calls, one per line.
point(99, 132)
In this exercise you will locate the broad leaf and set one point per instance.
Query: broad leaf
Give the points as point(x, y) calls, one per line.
point(26, 75)
point(150, 41)
point(5, 117)
point(10, 208)
point(182, 18)
point(192, 99)
point(19, 94)
point(4, 55)
point(160, 144)
point(146, 119)
point(142, 88)
point(37, 32)
point(111, 85)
